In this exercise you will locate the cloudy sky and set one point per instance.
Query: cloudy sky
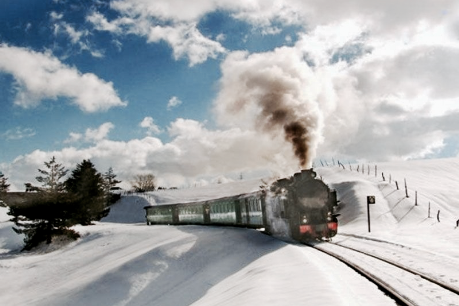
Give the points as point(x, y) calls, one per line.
point(194, 90)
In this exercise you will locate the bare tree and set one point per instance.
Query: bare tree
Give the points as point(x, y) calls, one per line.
point(144, 182)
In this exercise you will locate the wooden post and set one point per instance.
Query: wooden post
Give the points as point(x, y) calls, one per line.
point(428, 212)
point(415, 198)
point(438, 216)
point(376, 170)
point(406, 190)
point(383, 178)
point(396, 184)
point(390, 178)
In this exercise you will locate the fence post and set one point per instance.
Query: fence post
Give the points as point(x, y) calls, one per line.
point(383, 178)
point(438, 216)
point(415, 198)
point(428, 213)
point(406, 190)
point(376, 170)
point(396, 184)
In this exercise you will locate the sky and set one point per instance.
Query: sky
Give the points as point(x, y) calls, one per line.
point(191, 91)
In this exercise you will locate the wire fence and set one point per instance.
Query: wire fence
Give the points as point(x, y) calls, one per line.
point(433, 209)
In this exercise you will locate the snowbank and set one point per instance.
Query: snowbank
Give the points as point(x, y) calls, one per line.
point(122, 261)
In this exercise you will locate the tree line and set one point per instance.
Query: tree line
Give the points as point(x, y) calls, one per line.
point(59, 204)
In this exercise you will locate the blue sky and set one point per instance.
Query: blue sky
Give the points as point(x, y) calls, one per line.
point(192, 90)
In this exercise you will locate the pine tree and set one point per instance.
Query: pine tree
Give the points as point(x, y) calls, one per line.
point(86, 186)
point(3, 185)
point(44, 216)
point(52, 176)
point(110, 182)
point(110, 178)
point(49, 212)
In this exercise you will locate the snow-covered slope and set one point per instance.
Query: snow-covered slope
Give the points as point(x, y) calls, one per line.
point(395, 217)
point(121, 261)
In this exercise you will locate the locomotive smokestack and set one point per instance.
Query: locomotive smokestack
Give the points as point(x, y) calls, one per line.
point(274, 92)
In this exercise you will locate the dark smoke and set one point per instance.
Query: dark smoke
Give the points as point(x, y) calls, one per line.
point(275, 92)
point(296, 133)
point(276, 114)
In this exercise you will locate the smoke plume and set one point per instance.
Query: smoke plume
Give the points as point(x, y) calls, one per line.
point(273, 93)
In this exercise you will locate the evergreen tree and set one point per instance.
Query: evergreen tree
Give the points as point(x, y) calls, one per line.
point(50, 178)
point(3, 185)
point(110, 178)
point(110, 182)
point(86, 186)
point(49, 212)
point(44, 216)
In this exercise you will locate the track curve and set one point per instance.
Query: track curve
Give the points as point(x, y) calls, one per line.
point(407, 286)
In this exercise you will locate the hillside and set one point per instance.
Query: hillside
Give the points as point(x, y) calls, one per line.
point(121, 261)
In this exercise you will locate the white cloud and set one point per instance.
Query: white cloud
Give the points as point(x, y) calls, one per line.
point(173, 102)
point(73, 137)
point(186, 41)
point(56, 16)
point(18, 133)
point(42, 76)
point(193, 153)
point(91, 135)
point(148, 123)
point(96, 135)
point(162, 21)
point(100, 23)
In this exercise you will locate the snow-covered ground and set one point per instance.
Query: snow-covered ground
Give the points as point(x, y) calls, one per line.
point(121, 261)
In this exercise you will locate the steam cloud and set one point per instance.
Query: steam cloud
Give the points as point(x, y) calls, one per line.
point(272, 93)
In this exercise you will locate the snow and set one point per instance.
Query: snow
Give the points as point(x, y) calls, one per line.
point(122, 261)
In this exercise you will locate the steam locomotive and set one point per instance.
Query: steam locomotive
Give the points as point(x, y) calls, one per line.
point(301, 207)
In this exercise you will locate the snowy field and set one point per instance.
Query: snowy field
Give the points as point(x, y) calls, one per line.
point(121, 261)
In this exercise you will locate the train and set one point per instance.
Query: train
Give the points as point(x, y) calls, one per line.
point(301, 207)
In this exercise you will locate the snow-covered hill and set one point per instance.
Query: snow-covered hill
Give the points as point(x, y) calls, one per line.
point(121, 261)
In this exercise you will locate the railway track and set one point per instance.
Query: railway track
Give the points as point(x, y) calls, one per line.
point(406, 285)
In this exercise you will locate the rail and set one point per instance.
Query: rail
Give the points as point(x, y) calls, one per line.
point(405, 285)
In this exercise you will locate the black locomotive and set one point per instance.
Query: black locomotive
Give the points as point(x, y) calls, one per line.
point(301, 207)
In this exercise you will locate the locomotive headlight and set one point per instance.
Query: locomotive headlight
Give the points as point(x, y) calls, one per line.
point(329, 217)
point(304, 220)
